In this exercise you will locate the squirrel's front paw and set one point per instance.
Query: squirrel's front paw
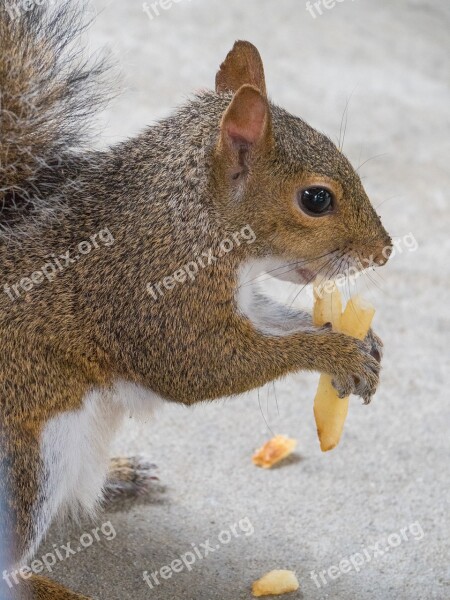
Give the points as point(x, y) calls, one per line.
point(359, 368)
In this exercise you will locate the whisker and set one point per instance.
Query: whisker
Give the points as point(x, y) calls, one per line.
point(371, 158)
point(344, 116)
point(387, 200)
point(378, 274)
point(276, 399)
point(355, 312)
point(288, 266)
point(264, 417)
point(331, 266)
point(347, 281)
point(374, 283)
point(303, 287)
point(345, 129)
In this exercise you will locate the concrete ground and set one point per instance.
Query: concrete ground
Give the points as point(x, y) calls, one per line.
point(381, 500)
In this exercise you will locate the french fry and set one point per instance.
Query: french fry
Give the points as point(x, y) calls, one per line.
point(357, 318)
point(327, 306)
point(330, 411)
point(275, 583)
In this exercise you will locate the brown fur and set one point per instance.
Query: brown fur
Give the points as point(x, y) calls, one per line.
point(40, 588)
point(243, 63)
point(226, 159)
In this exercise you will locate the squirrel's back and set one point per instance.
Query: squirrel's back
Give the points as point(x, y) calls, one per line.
point(48, 94)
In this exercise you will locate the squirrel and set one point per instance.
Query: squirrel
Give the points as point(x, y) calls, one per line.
point(102, 312)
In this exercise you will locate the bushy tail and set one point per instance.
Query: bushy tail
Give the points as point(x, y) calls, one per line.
point(48, 96)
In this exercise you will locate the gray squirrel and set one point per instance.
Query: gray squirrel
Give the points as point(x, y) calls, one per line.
point(129, 273)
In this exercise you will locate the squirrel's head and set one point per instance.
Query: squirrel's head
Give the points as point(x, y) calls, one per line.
point(294, 187)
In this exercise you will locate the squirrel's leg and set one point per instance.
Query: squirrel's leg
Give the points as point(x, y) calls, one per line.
point(348, 360)
point(129, 477)
point(25, 515)
point(281, 319)
point(245, 355)
point(271, 316)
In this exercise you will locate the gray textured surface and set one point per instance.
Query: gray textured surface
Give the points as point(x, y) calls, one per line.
point(392, 467)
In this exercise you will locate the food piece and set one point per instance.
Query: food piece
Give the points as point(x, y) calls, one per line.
point(357, 318)
point(276, 583)
point(274, 451)
point(330, 411)
point(327, 305)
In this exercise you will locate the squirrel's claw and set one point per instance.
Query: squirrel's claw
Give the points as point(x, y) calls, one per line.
point(363, 376)
point(129, 477)
point(376, 345)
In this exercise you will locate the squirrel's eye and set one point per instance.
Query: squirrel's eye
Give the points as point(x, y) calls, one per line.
point(316, 200)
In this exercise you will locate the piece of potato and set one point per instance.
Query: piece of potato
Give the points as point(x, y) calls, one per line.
point(330, 411)
point(357, 318)
point(327, 306)
point(276, 583)
point(274, 451)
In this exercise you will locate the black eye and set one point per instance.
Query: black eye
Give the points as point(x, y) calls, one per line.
point(316, 200)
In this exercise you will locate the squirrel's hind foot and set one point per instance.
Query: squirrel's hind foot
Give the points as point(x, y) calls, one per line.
point(129, 477)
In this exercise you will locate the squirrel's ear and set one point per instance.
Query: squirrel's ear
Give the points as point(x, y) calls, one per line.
point(242, 66)
point(245, 127)
point(246, 120)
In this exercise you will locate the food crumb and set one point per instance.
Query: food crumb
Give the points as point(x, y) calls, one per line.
point(274, 451)
point(276, 583)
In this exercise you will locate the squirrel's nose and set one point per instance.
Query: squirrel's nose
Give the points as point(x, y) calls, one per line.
point(383, 252)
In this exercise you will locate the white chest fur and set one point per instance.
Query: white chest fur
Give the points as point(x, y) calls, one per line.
point(266, 314)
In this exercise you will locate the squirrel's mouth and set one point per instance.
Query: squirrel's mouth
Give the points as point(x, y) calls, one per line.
point(305, 276)
point(297, 276)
